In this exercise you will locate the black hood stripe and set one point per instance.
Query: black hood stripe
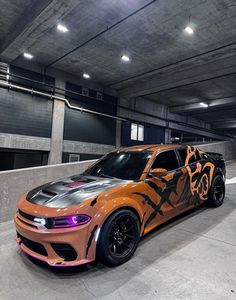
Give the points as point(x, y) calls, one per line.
point(94, 201)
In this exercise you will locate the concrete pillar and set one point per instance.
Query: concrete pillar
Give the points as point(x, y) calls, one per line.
point(55, 155)
point(167, 136)
point(118, 133)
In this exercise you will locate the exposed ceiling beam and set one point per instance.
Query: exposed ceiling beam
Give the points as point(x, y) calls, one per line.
point(225, 125)
point(211, 103)
point(215, 65)
point(37, 19)
point(30, 14)
point(173, 64)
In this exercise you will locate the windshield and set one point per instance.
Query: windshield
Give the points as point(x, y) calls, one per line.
point(122, 165)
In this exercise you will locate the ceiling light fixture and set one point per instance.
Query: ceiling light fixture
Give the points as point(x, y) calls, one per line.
point(189, 28)
point(125, 58)
point(85, 75)
point(28, 55)
point(203, 104)
point(62, 28)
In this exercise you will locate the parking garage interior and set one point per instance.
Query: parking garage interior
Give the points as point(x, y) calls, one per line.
point(79, 79)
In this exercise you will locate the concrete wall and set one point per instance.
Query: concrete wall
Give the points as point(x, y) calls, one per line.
point(13, 184)
point(228, 149)
point(25, 142)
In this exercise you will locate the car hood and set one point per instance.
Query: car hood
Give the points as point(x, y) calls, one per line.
point(71, 191)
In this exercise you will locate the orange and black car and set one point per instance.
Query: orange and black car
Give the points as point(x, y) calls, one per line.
point(102, 213)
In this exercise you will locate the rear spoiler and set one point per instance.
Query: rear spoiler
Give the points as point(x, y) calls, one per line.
point(215, 155)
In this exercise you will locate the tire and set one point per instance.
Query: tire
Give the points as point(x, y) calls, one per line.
point(217, 192)
point(119, 238)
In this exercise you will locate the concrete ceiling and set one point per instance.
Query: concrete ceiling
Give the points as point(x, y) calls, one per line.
point(167, 65)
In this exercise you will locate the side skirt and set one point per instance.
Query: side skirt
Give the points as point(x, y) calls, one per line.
point(162, 221)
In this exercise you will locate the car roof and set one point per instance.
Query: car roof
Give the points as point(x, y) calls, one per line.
point(159, 147)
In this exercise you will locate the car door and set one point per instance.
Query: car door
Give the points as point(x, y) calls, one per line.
point(169, 188)
point(198, 174)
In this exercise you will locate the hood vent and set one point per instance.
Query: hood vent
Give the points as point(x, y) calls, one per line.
point(48, 193)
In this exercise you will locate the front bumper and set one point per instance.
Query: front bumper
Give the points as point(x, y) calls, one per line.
point(57, 247)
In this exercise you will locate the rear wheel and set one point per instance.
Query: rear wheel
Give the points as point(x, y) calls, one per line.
point(217, 192)
point(119, 238)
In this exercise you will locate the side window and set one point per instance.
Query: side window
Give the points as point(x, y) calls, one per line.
point(183, 155)
point(166, 160)
point(198, 155)
point(204, 155)
point(193, 159)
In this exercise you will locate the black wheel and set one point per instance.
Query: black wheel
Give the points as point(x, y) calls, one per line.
point(217, 192)
point(119, 238)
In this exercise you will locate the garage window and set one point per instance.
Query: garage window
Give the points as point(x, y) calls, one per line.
point(74, 157)
point(137, 132)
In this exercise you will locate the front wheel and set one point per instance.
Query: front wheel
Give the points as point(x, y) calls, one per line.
point(217, 192)
point(119, 238)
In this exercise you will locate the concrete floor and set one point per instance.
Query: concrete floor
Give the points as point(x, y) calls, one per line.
point(192, 257)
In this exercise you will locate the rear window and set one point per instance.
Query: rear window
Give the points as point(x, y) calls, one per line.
point(193, 159)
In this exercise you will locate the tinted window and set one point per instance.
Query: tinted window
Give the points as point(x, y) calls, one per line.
point(166, 160)
point(192, 159)
point(198, 156)
point(123, 165)
point(183, 155)
point(204, 156)
point(195, 158)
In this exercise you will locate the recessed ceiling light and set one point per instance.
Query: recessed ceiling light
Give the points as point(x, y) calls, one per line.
point(85, 75)
point(189, 30)
point(125, 58)
point(203, 104)
point(62, 28)
point(28, 55)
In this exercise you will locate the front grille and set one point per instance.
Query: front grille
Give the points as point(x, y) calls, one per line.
point(26, 216)
point(35, 247)
point(28, 224)
point(65, 251)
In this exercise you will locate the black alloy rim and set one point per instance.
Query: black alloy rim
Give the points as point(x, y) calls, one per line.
point(123, 236)
point(218, 189)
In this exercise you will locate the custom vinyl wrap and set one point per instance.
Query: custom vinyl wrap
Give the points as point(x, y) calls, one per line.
point(153, 199)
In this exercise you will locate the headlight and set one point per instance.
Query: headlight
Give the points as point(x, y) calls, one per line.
point(69, 221)
point(40, 221)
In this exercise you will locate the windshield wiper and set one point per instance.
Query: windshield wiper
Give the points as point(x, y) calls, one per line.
point(106, 176)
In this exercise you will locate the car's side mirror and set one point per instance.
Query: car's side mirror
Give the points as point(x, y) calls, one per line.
point(158, 172)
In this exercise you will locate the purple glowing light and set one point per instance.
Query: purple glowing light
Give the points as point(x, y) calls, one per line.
point(70, 221)
point(74, 220)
